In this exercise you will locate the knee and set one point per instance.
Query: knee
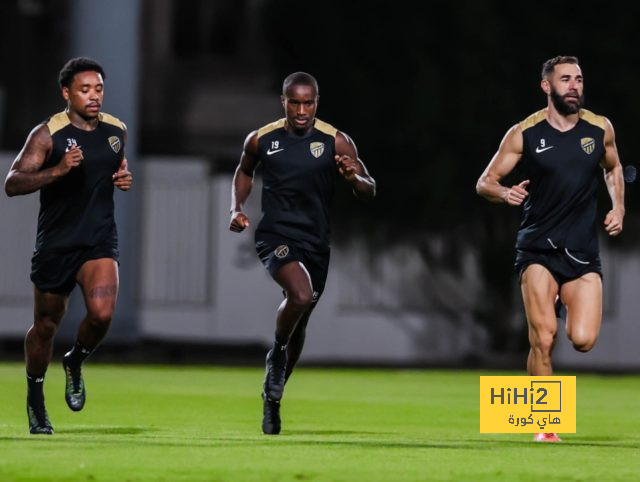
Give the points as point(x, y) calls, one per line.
point(582, 342)
point(100, 315)
point(46, 326)
point(544, 341)
point(300, 298)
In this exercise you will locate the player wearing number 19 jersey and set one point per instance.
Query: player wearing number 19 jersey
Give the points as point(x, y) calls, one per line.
point(301, 158)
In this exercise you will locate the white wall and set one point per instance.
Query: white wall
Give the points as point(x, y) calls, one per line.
point(18, 219)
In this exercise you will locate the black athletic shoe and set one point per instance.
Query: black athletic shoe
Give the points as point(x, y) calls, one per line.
point(74, 393)
point(270, 416)
point(273, 385)
point(39, 423)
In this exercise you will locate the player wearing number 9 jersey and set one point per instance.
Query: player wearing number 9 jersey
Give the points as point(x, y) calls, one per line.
point(562, 149)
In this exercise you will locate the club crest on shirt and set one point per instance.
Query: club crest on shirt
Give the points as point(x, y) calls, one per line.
point(114, 142)
point(281, 251)
point(588, 144)
point(317, 148)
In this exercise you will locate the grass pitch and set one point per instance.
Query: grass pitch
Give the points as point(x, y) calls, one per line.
point(186, 423)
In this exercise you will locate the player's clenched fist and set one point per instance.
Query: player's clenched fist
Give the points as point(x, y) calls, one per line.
point(239, 221)
point(613, 222)
point(516, 195)
point(123, 180)
point(72, 158)
point(347, 167)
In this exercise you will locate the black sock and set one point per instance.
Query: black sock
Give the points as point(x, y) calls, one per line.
point(78, 354)
point(279, 350)
point(35, 389)
point(281, 342)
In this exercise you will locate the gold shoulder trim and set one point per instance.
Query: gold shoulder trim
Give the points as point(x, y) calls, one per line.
point(326, 128)
point(109, 119)
point(533, 119)
point(58, 121)
point(270, 127)
point(591, 118)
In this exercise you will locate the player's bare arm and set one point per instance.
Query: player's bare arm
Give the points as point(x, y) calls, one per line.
point(503, 162)
point(243, 182)
point(123, 178)
point(614, 179)
point(352, 169)
point(26, 176)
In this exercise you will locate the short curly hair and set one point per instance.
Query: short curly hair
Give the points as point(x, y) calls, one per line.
point(76, 65)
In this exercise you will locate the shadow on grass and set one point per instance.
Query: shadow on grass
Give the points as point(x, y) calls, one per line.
point(602, 442)
point(105, 430)
point(362, 440)
point(85, 430)
point(333, 432)
point(288, 439)
point(325, 438)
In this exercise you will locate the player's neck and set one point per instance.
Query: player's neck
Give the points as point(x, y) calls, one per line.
point(560, 121)
point(80, 122)
point(299, 132)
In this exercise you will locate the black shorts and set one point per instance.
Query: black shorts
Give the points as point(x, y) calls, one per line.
point(564, 265)
point(56, 272)
point(275, 253)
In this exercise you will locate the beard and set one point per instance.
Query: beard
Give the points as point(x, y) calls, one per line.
point(564, 107)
